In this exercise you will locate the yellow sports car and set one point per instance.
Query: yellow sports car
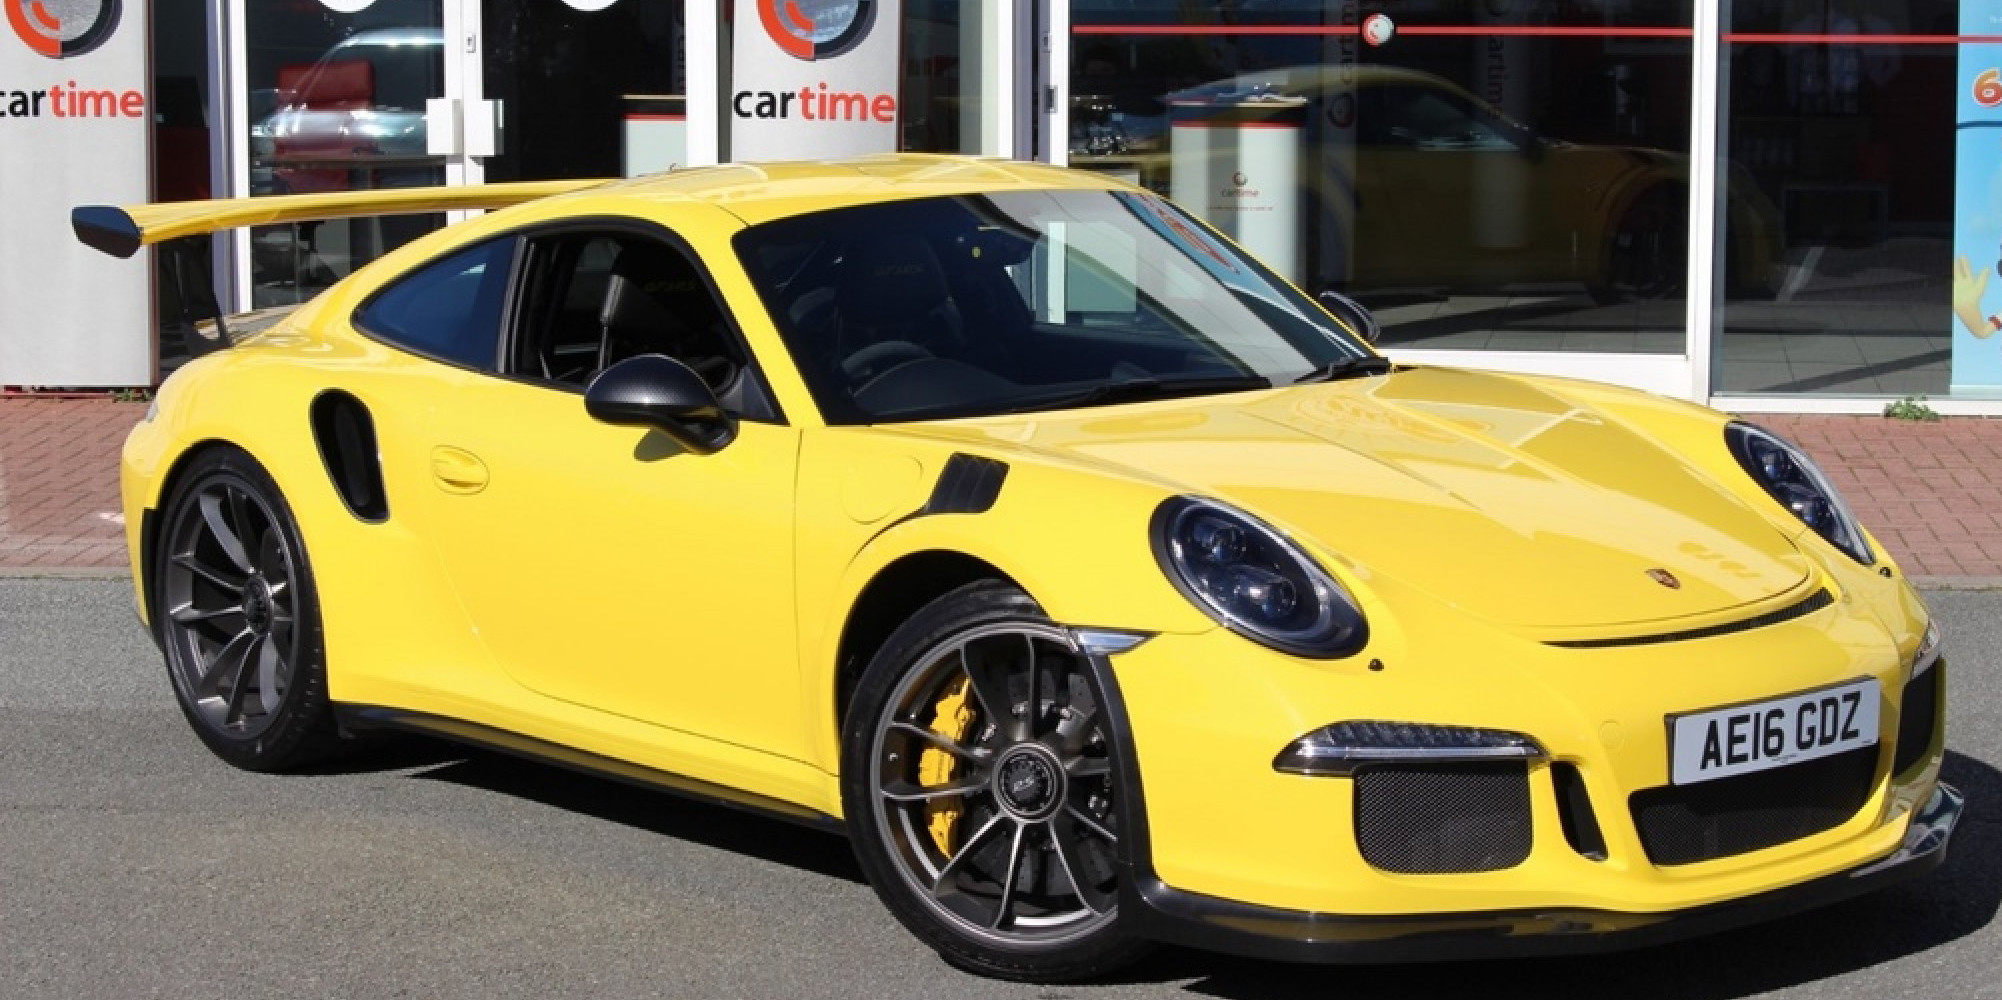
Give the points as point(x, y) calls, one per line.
point(1100, 586)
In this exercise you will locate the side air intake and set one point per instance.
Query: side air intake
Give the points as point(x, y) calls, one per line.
point(346, 437)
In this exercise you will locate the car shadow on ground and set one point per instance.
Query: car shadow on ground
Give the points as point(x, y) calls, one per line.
point(642, 808)
point(1957, 900)
point(1954, 901)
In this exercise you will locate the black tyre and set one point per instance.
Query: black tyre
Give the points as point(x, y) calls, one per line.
point(238, 618)
point(982, 791)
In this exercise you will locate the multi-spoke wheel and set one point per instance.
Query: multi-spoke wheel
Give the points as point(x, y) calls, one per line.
point(236, 613)
point(979, 782)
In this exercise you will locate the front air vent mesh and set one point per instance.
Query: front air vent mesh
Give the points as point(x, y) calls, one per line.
point(1423, 819)
point(1684, 824)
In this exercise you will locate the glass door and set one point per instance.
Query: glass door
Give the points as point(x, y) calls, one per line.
point(582, 88)
point(337, 94)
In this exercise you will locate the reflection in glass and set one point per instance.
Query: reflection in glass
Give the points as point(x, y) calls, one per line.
point(1854, 146)
point(1513, 180)
point(578, 86)
point(337, 104)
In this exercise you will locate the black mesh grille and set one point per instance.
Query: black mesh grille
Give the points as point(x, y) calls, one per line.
point(1435, 818)
point(1918, 714)
point(1683, 824)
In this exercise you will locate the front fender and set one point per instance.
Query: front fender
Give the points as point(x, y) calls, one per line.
point(1075, 540)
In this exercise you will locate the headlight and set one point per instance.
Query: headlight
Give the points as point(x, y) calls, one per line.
point(1253, 581)
point(1341, 748)
point(1791, 478)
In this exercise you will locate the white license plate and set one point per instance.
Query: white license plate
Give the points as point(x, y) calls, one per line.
point(1721, 742)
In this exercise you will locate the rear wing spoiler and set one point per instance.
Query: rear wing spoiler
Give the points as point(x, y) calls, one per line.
point(121, 231)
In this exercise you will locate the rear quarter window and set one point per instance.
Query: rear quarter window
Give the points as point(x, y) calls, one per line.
point(449, 309)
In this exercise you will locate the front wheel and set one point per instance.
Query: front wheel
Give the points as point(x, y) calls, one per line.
point(1649, 255)
point(238, 616)
point(982, 792)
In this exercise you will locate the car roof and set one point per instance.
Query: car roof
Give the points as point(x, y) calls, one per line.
point(762, 192)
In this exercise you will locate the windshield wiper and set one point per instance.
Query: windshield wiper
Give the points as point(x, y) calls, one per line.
point(1367, 364)
point(1134, 390)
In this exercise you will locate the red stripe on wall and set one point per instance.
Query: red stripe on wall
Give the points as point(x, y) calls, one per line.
point(1772, 38)
point(1323, 30)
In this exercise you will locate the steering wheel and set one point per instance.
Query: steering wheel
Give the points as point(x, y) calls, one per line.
point(878, 358)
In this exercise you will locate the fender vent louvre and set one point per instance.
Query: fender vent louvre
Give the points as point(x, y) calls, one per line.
point(346, 437)
point(969, 485)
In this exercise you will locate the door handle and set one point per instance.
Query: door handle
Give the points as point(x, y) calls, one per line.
point(457, 470)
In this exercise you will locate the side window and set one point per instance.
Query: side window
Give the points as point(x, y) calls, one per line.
point(449, 310)
point(595, 299)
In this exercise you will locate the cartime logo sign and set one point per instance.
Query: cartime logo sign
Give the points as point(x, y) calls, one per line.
point(59, 29)
point(819, 30)
point(819, 79)
point(74, 122)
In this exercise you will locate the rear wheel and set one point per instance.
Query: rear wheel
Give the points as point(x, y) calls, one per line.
point(982, 792)
point(238, 616)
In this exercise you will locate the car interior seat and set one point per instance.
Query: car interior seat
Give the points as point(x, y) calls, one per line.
point(893, 306)
point(655, 303)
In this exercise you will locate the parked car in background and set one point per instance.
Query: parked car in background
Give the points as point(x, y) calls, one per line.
point(1408, 180)
point(356, 111)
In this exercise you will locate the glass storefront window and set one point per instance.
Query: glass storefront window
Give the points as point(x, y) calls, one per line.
point(1487, 174)
point(1840, 118)
point(586, 92)
point(337, 104)
point(939, 92)
point(181, 141)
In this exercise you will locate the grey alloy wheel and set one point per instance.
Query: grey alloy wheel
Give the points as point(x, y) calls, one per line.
point(993, 787)
point(237, 619)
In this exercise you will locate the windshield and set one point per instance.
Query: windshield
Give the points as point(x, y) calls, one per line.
point(1019, 301)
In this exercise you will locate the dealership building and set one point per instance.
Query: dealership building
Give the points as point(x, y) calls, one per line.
point(1766, 205)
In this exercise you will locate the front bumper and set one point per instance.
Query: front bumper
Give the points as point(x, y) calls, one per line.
point(1226, 851)
point(1173, 915)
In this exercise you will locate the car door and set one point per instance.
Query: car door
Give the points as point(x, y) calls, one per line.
point(604, 566)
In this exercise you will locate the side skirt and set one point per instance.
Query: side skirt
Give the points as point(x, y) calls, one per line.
point(360, 718)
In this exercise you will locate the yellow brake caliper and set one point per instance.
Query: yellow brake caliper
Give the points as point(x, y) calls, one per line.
point(951, 718)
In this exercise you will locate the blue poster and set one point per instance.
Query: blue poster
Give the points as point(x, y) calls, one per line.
point(1977, 224)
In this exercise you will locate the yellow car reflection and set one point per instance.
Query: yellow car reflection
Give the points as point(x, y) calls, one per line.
point(1408, 180)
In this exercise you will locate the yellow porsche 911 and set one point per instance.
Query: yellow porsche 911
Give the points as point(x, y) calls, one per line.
point(1101, 587)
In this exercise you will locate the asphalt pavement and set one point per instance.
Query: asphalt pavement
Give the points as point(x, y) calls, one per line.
point(134, 864)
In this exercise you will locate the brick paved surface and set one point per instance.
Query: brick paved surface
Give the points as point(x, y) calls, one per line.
point(59, 482)
point(1931, 492)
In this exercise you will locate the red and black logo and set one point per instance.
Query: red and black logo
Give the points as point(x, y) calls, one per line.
point(72, 29)
point(823, 30)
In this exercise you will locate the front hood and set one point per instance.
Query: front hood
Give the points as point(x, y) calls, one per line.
point(1486, 491)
